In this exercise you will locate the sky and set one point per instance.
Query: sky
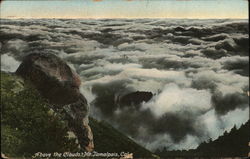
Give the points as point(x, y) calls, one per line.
point(193, 9)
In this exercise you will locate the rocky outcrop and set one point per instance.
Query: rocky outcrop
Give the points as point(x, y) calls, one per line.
point(58, 83)
point(54, 79)
point(135, 98)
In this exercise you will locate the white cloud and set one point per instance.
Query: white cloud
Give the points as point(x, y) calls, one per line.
point(217, 125)
point(176, 99)
point(8, 63)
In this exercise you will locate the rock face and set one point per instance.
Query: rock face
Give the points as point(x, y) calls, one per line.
point(52, 77)
point(58, 83)
point(135, 98)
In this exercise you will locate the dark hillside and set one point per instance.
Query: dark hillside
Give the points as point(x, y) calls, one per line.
point(232, 144)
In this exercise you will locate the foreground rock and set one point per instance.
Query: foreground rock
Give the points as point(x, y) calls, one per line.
point(58, 83)
point(52, 77)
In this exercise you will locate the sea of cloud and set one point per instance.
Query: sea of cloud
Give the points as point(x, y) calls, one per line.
point(196, 69)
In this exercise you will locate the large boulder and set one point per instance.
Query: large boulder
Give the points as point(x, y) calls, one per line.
point(54, 79)
point(58, 83)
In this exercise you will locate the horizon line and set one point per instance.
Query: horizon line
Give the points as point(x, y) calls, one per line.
point(125, 18)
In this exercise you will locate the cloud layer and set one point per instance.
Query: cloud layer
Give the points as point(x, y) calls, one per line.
point(197, 71)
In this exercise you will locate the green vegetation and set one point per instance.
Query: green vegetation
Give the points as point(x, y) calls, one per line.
point(232, 144)
point(30, 126)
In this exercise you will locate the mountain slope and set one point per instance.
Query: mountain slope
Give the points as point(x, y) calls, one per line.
point(108, 139)
point(29, 125)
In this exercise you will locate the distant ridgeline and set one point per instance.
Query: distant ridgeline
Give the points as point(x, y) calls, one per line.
point(232, 144)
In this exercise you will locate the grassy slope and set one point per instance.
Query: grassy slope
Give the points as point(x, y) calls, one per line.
point(106, 138)
point(27, 124)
